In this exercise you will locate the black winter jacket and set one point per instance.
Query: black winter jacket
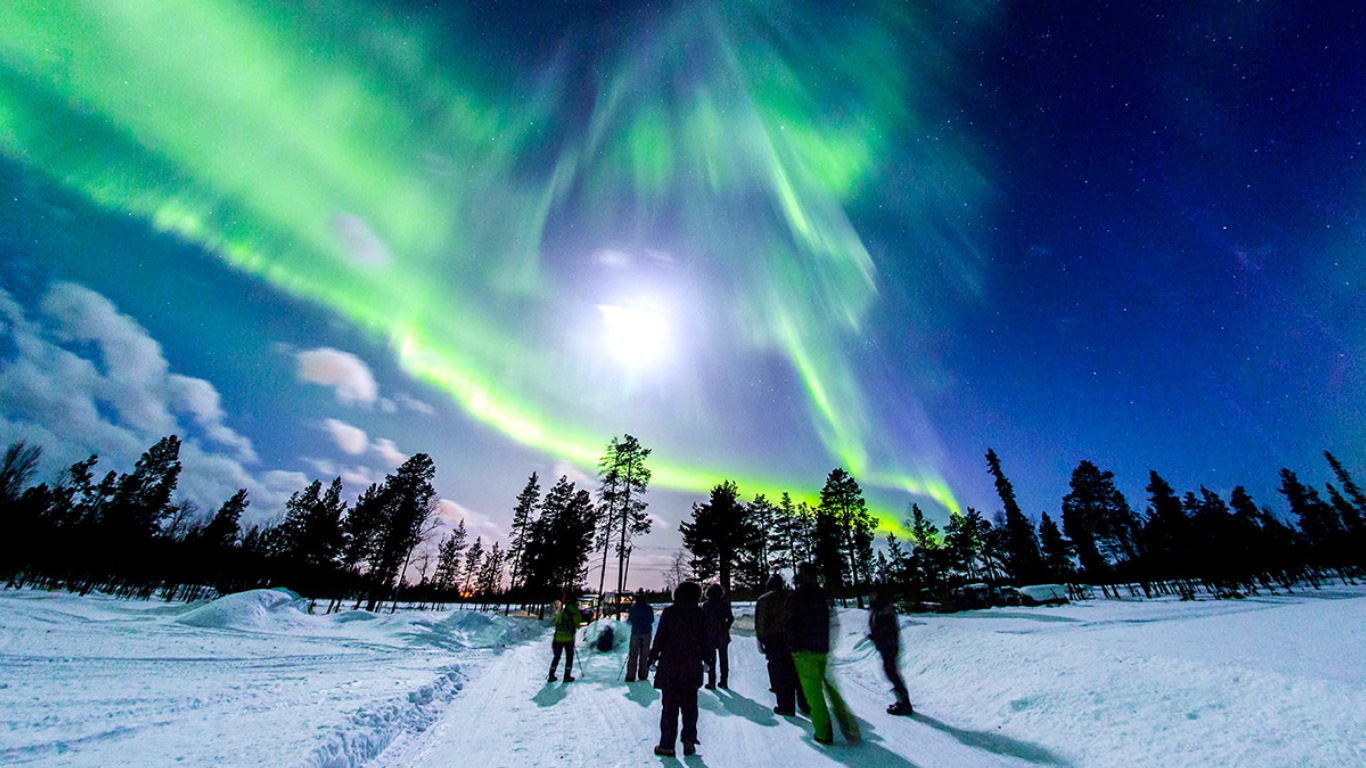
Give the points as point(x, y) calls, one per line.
point(808, 619)
point(718, 618)
point(680, 646)
point(884, 629)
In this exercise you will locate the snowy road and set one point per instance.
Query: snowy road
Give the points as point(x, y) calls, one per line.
point(510, 716)
point(252, 680)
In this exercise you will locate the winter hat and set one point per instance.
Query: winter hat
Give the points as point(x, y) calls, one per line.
point(806, 574)
point(715, 592)
point(688, 592)
point(774, 583)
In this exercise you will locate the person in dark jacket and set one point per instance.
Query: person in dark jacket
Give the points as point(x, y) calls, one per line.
point(885, 631)
point(771, 631)
point(808, 635)
point(678, 655)
point(719, 618)
point(642, 619)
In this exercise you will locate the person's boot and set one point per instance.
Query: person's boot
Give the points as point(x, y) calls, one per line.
point(902, 708)
point(689, 748)
point(663, 751)
point(568, 678)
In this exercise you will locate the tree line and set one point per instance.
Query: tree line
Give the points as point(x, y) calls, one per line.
point(127, 534)
point(1179, 544)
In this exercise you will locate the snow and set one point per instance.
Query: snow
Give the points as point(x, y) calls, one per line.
point(253, 679)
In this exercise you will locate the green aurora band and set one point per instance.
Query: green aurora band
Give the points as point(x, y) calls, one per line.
point(338, 153)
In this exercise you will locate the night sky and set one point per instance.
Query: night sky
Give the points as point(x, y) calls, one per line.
point(766, 238)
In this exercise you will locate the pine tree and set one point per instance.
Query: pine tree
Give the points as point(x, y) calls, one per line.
point(1020, 545)
point(222, 530)
point(840, 518)
point(312, 531)
point(1167, 531)
point(625, 479)
point(527, 502)
point(142, 499)
point(1319, 523)
point(719, 534)
point(362, 527)
point(474, 560)
point(1057, 551)
point(1349, 488)
point(757, 560)
point(490, 579)
point(409, 503)
point(448, 558)
point(924, 533)
point(1097, 518)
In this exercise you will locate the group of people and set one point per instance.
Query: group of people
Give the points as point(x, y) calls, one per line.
point(793, 631)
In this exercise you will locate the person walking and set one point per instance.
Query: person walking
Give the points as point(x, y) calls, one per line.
point(718, 619)
point(885, 631)
point(678, 655)
point(566, 626)
point(641, 617)
point(808, 634)
point(771, 631)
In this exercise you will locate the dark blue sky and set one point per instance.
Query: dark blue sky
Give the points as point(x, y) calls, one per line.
point(880, 235)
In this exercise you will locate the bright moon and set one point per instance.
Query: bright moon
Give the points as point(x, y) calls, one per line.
point(636, 336)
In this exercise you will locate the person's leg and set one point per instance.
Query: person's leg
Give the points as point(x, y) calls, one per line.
point(632, 651)
point(643, 659)
point(892, 668)
point(668, 718)
point(724, 652)
point(790, 672)
point(557, 647)
point(782, 688)
point(688, 708)
point(711, 668)
point(848, 724)
point(568, 660)
point(810, 674)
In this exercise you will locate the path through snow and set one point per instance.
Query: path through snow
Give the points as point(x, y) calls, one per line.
point(510, 716)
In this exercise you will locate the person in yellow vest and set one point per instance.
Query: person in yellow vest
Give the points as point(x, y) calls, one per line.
point(566, 626)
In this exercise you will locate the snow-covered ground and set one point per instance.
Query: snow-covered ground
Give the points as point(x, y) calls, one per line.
point(253, 680)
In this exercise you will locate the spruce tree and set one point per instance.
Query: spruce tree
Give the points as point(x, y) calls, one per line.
point(1057, 550)
point(1020, 544)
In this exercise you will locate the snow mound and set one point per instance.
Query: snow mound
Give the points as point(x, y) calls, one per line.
point(257, 609)
point(475, 629)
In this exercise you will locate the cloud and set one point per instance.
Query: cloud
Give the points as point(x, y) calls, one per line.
point(389, 452)
point(477, 524)
point(351, 439)
point(198, 398)
point(365, 247)
point(413, 404)
point(84, 378)
point(578, 477)
point(347, 375)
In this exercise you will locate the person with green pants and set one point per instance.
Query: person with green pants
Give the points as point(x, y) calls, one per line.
point(808, 635)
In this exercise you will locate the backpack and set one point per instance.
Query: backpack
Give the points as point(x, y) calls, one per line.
point(605, 639)
point(564, 623)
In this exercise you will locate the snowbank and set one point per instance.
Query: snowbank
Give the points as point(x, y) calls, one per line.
point(276, 610)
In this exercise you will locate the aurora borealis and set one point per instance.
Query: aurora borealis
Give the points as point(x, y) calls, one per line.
point(876, 235)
